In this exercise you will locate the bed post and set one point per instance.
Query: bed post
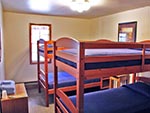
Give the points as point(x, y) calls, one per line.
point(143, 57)
point(55, 72)
point(38, 67)
point(46, 72)
point(133, 77)
point(80, 79)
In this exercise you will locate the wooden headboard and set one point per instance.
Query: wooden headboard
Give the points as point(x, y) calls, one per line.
point(145, 41)
point(104, 41)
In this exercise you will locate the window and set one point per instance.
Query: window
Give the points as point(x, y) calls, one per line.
point(37, 31)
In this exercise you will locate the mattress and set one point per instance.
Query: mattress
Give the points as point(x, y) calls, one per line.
point(132, 98)
point(105, 52)
point(65, 79)
point(41, 49)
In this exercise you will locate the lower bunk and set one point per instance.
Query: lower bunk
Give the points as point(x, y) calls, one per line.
point(130, 98)
point(67, 83)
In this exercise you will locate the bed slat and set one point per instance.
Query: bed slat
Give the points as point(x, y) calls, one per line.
point(91, 74)
point(66, 100)
point(67, 68)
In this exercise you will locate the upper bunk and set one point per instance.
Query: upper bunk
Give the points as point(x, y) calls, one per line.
point(44, 48)
point(101, 58)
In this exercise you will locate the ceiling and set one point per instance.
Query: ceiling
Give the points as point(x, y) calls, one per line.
point(61, 8)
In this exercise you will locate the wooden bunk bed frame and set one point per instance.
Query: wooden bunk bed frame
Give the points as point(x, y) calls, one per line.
point(81, 74)
point(43, 71)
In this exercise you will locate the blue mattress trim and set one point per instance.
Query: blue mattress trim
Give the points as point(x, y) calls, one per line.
point(41, 49)
point(65, 79)
point(70, 63)
point(98, 65)
point(147, 61)
point(49, 52)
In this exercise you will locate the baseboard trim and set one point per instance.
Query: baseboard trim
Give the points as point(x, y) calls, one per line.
point(31, 84)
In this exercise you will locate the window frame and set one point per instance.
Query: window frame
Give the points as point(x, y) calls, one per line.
point(30, 38)
point(127, 25)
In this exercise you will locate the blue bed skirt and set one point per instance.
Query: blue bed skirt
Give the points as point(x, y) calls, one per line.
point(132, 98)
point(65, 79)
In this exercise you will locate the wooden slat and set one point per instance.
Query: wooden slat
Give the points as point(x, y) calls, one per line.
point(146, 67)
point(58, 110)
point(144, 79)
point(90, 45)
point(42, 84)
point(42, 72)
point(91, 74)
point(147, 56)
point(145, 42)
point(147, 45)
point(61, 106)
point(67, 68)
point(66, 101)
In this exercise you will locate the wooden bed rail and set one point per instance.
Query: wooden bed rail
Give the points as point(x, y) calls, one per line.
point(143, 79)
point(103, 43)
point(145, 42)
point(61, 95)
point(91, 45)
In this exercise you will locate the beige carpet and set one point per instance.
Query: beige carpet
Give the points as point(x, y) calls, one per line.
point(37, 102)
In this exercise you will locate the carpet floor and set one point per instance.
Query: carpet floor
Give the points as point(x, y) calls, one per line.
point(36, 101)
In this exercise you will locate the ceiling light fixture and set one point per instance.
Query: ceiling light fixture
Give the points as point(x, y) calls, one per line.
point(80, 5)
point(39, 5)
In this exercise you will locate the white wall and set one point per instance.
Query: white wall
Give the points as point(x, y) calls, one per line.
point(107, 26)
point(1, 36)
point(16, 31)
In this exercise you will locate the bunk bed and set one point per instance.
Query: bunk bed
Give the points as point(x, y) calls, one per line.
point(46, 78)
point(90, 59)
